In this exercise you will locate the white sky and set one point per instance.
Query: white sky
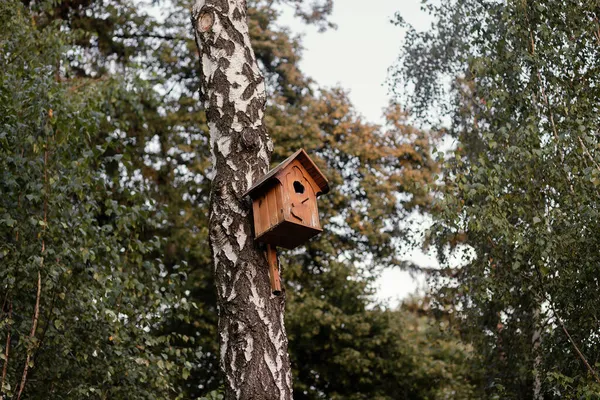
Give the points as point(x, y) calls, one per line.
point(356, 56)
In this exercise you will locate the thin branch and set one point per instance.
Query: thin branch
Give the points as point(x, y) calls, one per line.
point(36, 315)
point(414, 268)
point(545, 98)
point(10, 311)
point(5, 301)
point(148, 35)
point(87, 81)
point(586, 151)
point(43, 335)
point(6, 350)
point(17, 55)
point(546, 295)
point(36, 311)
point(19, 203)
point(579, 353)
point(48, 317)
point(550, 113)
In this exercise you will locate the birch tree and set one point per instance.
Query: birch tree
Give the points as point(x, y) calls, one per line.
point(252, 338)
point(521, 186)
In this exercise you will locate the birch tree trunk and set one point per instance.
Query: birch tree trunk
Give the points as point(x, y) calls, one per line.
point(252, 337)
point(536, 342)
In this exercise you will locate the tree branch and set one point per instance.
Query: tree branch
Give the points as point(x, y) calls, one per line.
point(6, 350)
point(36, 315)
point(36, 311)
point(148, 35)
point(586, 151)
point(546, 295)
point(579, 353)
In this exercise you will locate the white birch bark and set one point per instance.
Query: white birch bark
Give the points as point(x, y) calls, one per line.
point(253, 342)
point(536, 342)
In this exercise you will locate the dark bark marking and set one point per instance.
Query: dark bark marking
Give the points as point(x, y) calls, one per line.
point(225, 44)
point(250, 138)
point(249, 91)
point(223, 63)
point(237, 15)
point(248, 73)
point(248, 55)
point(256, 105)
point(243, 118)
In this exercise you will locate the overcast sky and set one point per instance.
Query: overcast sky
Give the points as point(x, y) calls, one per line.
point(356, 56)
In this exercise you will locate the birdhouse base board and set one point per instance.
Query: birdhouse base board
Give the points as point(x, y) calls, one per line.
point(288, 235)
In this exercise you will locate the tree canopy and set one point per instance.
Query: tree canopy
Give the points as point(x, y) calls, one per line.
point(107, 285)
point(108, 288)
point(518, 83)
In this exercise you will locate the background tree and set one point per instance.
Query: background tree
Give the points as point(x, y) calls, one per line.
point(79, 293)
point(129, 79)
point(520, 186)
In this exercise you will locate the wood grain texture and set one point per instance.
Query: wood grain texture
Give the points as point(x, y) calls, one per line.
point(274, 270)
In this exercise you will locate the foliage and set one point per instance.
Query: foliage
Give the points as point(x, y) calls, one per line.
point(329, 291)
point(368, 165)
point(520, 186)
point(127, 299)
point(75, 250)
point(379, 354)
point(214, 395)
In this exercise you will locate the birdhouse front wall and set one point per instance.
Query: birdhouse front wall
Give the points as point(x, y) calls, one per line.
point(299, 196)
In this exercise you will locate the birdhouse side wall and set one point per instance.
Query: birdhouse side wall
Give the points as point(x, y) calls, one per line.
point(299, 208)
point(268, 209)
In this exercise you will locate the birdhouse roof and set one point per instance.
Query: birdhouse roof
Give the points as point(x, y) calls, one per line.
point(307, 163)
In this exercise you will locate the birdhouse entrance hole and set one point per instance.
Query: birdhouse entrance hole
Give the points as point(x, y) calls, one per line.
point(298, 187)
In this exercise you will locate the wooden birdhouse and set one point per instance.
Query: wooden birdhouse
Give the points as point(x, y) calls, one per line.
point(284, 203)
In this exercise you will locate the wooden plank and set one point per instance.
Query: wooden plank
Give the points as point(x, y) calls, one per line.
point(279, 202)
point(285, 194)
point(272, 204)
point(264, 213)
point(258, 229)
point(273, 270)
